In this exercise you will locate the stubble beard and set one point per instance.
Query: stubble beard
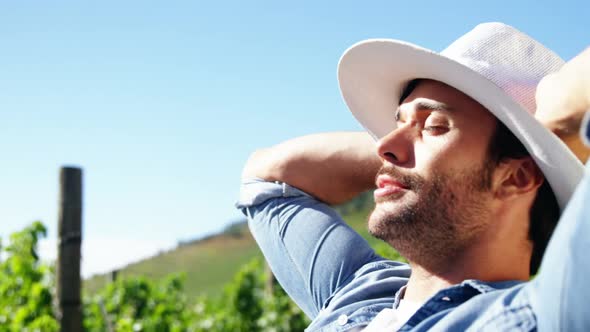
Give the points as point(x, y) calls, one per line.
point(434, 221)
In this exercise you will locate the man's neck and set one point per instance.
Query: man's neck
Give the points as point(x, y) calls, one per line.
point(497, 254)
point(423, 285)
point(485, 265)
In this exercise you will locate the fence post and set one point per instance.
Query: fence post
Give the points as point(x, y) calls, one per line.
point(70, 240)
point(270, 280)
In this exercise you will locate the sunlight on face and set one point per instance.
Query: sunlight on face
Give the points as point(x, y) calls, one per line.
point(434, 186)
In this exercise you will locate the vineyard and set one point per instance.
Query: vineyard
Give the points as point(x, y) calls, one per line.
point(136, 303)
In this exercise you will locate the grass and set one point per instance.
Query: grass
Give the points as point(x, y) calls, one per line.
point(208, 264)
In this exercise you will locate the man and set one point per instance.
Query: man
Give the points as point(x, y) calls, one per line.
point(469, 187)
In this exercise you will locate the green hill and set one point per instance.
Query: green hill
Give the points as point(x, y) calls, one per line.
point(211, 262)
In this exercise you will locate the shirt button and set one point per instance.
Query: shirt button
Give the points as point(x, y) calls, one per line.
point(342, 319)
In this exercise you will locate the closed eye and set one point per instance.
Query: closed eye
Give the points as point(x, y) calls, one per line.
point(436, 130)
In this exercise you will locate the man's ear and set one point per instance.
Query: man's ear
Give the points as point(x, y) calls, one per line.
point(516, 177)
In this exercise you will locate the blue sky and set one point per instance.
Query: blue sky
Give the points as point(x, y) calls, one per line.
point(161, 102)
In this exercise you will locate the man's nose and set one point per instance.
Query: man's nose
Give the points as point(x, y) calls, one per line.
point(397, 146)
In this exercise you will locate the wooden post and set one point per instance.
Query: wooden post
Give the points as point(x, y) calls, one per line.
point(70, 240)
point(270, 280)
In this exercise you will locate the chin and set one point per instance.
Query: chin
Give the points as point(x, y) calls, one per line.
point(386, 209)
point(378, 224)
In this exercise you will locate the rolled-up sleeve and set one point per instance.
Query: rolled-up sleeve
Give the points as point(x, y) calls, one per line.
point(311, 251)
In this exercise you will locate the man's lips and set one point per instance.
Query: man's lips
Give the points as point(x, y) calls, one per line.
point(387, 186)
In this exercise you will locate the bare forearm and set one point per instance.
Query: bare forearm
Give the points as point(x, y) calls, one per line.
point(334, 167)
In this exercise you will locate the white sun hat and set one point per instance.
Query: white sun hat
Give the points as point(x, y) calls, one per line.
point(494, 64)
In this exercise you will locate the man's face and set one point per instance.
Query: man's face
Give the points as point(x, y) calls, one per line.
point(433, 192)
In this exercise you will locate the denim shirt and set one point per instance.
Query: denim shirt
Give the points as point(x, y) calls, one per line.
point(337, 279)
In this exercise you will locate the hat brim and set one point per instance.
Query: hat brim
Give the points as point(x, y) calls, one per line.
point(373, 73)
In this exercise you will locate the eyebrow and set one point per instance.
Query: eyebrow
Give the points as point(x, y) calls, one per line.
point(427, 106)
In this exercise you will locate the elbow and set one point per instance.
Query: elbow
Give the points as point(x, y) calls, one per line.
point(254, 165)
point(264, 164)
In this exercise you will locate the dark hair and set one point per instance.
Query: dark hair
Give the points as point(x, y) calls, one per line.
point(545, 211)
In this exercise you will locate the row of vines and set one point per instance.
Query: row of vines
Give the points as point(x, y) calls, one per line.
point(137, 304)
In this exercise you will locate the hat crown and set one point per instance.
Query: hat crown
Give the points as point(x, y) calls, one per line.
point(512, 60)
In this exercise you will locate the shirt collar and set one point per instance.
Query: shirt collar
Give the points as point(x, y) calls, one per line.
point(480, 286)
